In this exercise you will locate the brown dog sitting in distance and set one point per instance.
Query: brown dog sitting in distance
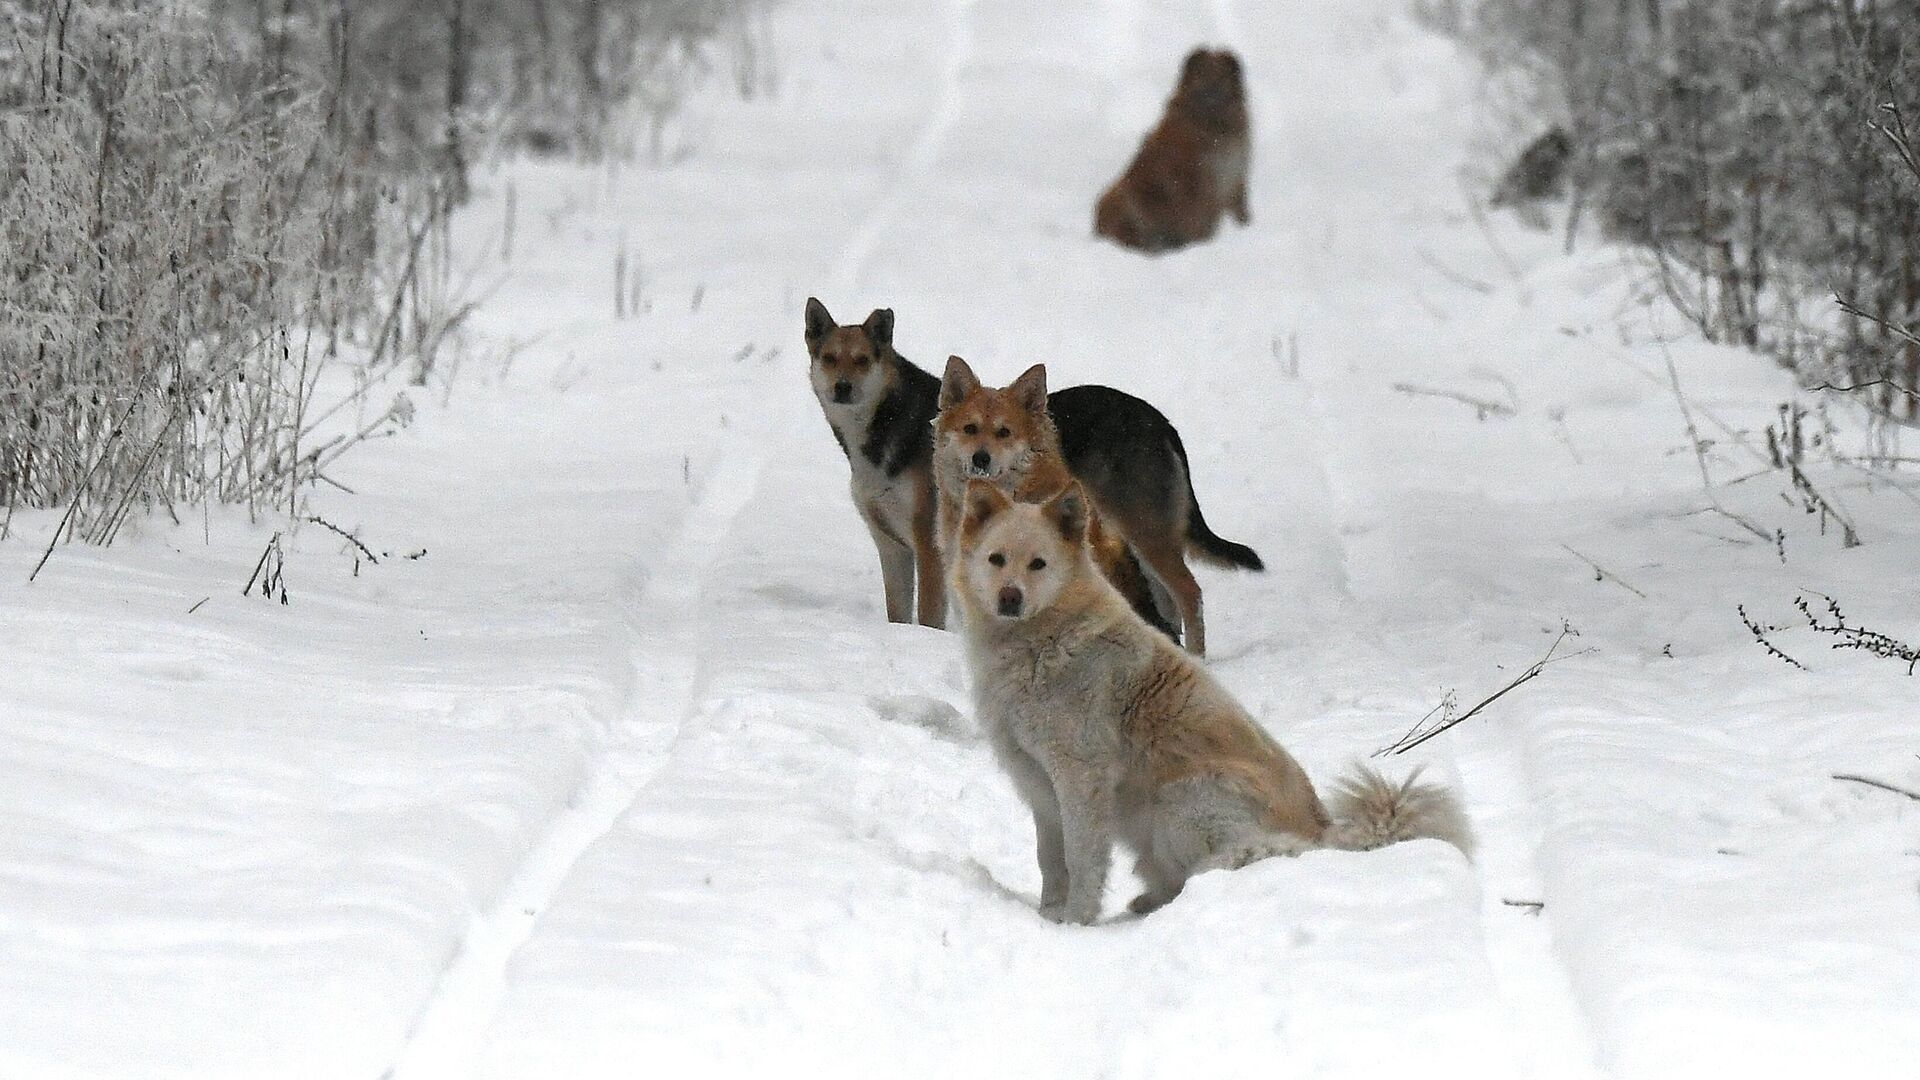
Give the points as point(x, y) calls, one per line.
point(1191, 169)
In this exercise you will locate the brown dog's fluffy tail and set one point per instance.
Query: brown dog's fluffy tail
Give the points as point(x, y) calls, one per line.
point(1202, 542)
point(1369, 811)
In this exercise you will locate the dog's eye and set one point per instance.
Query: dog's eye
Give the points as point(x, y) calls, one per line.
point(829, 361)
point(971, 429)
point(997, 559)
point(1037, 565)
point(1002, 433)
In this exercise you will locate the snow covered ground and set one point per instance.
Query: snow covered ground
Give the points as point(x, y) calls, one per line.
point(626, 772)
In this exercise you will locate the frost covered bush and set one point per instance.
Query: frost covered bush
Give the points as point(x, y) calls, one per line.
point(202, 202)
point(1756, 149)
point(587, 76)
point(445, 78)
point(162, 213)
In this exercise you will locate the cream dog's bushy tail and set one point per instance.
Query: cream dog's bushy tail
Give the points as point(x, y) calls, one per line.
point(1369, 811)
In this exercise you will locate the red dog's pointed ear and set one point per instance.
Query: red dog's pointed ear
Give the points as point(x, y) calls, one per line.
point(819, 322)
point(1030, 389)
point(984, 500)
point(1068, 511)
point(957, 383)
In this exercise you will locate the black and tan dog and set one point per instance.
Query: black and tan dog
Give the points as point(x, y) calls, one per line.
point(881, 408)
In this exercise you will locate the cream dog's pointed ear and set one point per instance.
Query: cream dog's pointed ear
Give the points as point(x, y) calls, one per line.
point(1030, 389)
point(819, 322)
point(1068, 512)
point(957, 383)
point(984, 500)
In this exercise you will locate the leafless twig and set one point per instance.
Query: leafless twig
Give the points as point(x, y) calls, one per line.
point(79, 493)
point(268, 572)
point(1448, 721)
point(1451, 274)
point(1760, 633)
point(344, 535)
point(1890, 327)
point(1881, 784)
point(1482, 407)
point(1857, 637)
point(1601, 573)
point(1868, 385)
point(1700, 456)
point(1816, 502)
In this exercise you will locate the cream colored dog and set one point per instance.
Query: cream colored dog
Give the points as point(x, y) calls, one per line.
point(1112, 733)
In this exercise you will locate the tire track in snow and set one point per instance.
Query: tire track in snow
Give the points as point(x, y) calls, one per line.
point(921, 156)
point(1310, 414)
point(448, 1038)
point(1551, 1031)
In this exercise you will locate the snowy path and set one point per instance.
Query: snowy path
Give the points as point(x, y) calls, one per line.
point(829, 860)
point(628, 772)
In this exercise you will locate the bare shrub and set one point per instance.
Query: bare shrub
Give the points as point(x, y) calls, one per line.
point(163, 245)
point(1756, 151)
point(439, 78)
point(203, 203)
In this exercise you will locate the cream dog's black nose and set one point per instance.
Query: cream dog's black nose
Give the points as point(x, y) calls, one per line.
point(1011, 601)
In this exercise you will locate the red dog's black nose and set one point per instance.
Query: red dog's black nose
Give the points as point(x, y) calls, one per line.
point(843, 391)
point(1011, 601)
point(982, 459)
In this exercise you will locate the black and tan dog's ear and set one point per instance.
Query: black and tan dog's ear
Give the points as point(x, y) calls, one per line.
point(984, 500)
point(957, 383)
point(1030, 389)
point(1068, 512)
point(819, 322)
point(879, 327)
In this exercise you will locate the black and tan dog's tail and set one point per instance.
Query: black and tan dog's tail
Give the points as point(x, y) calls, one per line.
point(1369, 811)
point(1202, 542)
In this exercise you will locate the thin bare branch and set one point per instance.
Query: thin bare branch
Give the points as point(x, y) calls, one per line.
point(1532, 672)
point(1881, 784)
point(1482, 407)
point(1601, 573)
